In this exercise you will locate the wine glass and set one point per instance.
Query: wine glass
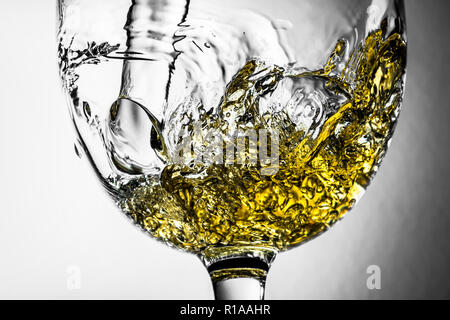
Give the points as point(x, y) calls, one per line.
point(236, 129)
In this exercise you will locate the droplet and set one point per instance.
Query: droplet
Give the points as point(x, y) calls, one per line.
point(77, 152)
point(87, 111)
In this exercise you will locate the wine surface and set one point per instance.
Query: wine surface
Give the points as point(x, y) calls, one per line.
point(328, 130)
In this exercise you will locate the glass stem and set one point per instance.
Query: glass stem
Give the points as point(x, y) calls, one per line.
point(238, 273)
point(239, 286)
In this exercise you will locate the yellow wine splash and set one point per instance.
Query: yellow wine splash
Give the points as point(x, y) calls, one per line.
point(322, 169)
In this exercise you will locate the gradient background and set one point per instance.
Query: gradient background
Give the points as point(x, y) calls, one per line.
point(54, 214)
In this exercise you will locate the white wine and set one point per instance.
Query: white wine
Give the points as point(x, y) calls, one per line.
point(332, 128)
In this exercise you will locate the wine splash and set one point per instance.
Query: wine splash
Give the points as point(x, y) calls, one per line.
point(267, 156)
point(333, 134)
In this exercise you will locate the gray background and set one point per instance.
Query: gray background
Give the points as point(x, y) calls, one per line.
point(54, 214)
